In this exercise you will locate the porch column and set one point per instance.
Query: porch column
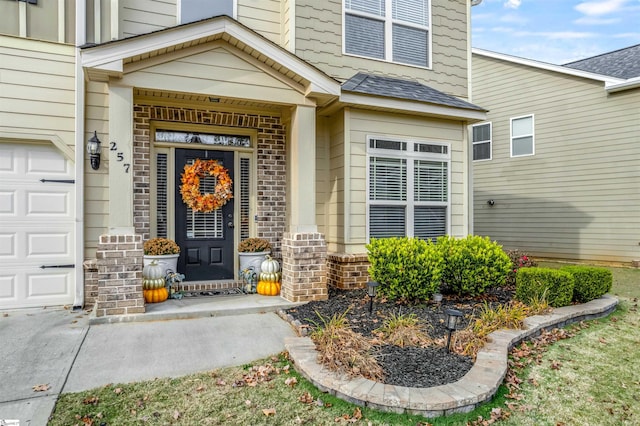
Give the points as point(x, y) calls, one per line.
point(120, 151)
point(302, 170)
point(304, 250)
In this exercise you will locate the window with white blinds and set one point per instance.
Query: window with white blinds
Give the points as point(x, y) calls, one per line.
point(408, 189)
point(392, 30)
point(161, 196)
point(194, 10)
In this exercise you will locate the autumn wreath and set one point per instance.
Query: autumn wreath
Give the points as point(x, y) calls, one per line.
point(190, 188)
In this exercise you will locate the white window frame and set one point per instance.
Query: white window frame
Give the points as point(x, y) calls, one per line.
point(489, 141)
point(532, 135)
point(388, 30)
point(179, 11)
point(410, 155)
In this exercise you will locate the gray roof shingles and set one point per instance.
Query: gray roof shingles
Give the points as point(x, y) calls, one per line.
point(370, 84)
point(623, 63)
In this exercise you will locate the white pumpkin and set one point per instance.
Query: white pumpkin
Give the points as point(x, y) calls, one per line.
point(269, 265)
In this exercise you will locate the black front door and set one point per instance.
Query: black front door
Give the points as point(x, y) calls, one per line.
point(205, 239)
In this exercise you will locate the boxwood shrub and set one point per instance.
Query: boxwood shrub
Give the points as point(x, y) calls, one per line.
point(472, 264)
point(406, 268)
point(553, 284)
point(591, 282)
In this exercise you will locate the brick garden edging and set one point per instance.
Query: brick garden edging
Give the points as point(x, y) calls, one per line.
point(477, 386)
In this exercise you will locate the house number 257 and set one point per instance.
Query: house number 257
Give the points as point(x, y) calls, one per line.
point(119, 156)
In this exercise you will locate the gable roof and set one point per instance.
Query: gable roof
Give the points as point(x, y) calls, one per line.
point(370, 84)
point(622, 63)
point(110, 58)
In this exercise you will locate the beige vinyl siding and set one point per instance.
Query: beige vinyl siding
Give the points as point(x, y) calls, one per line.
point(578, 197)
point(41, 21)
point(335, 203)
point(363, 124)
point(217, 71)
point(287, 22)
point(319, 41)
point(323, 176)
point(37, 89)
point(262, 16)
point(96, 199)
point(145, 16)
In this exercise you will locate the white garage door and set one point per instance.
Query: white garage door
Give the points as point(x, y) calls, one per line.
point(36, 226)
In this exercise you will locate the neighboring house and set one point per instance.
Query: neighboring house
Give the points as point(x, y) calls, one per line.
point(556, 168)
point(337, 121)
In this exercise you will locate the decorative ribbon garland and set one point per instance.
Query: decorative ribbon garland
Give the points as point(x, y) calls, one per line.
point(190, 188)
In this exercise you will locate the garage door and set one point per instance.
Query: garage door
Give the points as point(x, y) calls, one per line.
point(36, 226)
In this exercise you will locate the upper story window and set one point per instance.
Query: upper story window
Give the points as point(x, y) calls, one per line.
point(522, 136)
point(194, 10)
point(391, 30)
point(481, 138)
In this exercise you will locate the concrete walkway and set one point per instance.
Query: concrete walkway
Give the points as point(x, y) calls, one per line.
point(74, 351)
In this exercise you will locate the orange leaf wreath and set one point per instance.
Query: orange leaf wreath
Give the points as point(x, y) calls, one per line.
point(190, 188)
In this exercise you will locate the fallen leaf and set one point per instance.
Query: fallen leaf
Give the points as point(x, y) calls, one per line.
point(176, 414)
point(221, 382)
point(201, 388)
point(306, 398)
point(41, 388)
point(247, 403)
point(269, 411)
point(291, 381)
point(602, 340)
point(117, 391)
point(92, 400)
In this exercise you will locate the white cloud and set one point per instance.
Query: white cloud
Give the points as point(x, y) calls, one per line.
point(597, 8)
point(589, 20)
point(513, 4)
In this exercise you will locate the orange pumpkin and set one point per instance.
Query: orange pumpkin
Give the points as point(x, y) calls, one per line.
point(268, 288)
point(155, 295)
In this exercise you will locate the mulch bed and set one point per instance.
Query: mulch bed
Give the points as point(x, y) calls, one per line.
point(408, 366)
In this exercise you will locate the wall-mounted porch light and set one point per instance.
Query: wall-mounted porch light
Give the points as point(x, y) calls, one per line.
point(93, 148)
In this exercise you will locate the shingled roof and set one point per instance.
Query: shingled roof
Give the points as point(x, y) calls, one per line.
point(623, 63)
point(370, 84)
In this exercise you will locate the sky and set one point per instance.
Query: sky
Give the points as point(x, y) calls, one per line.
point(555, 31)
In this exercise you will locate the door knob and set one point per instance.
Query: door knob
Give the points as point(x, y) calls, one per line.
point(230, 224)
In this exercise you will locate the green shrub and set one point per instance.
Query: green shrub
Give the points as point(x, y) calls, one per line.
point(519, 259)
point(472, 264)
point(537, 283)
point(591, 282)
point(406, 268)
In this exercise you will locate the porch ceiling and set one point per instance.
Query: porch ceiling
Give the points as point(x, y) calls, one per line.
point(172, 98)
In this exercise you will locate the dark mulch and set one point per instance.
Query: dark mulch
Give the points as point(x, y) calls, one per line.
point(409, 366)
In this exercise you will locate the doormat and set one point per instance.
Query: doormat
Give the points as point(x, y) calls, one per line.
point(210, 293)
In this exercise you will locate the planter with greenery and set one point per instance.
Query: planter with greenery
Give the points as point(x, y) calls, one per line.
point(252, 252)
point(163, 250)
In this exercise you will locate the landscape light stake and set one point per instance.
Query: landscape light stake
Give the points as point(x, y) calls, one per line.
point(371, 291)
point(453, 316)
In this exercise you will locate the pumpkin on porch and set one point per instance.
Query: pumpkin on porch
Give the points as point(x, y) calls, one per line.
point(153, 283)
point(156, 295)
point(268, 288)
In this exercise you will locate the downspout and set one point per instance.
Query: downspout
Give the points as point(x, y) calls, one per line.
point(81, 38)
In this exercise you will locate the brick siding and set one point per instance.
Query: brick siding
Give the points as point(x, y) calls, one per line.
point(347, 271)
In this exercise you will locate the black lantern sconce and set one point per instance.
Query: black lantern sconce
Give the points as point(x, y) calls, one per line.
point(372, 287)
point(453, 316)
point(93, 149)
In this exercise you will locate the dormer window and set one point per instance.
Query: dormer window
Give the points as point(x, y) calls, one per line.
point(390, 30)
point(194, 10)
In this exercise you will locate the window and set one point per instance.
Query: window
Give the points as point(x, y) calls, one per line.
point(194, 10)
point(391, 30)
point(408, 188)
point(481, 138)
point(522, 141)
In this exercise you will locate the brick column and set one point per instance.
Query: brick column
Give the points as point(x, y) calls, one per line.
point(347, 271)
point(90, 282)
point(304, 269)
point(119, 275)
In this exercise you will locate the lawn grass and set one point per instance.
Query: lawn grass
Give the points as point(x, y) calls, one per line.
point(597, 383)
